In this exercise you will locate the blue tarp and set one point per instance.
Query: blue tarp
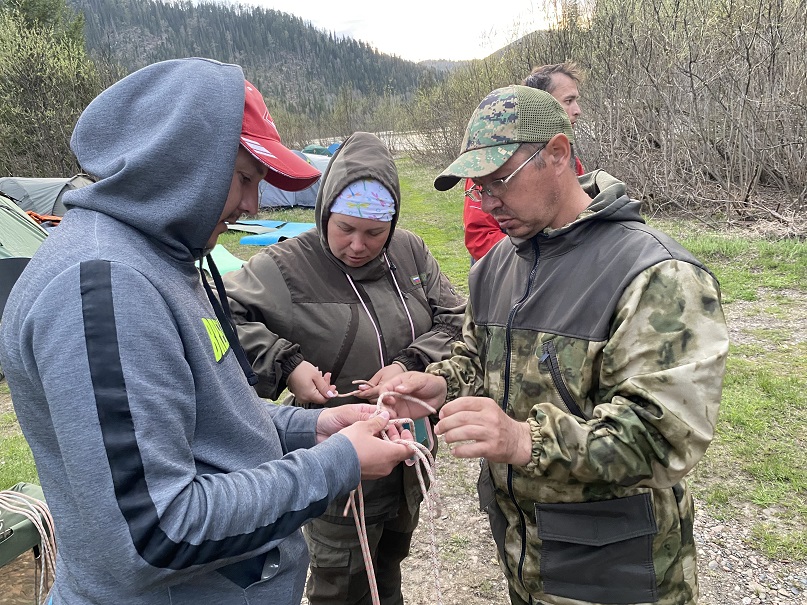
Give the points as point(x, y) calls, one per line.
point(285, 231)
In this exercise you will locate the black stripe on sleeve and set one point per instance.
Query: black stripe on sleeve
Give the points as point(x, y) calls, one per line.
point(123, 452)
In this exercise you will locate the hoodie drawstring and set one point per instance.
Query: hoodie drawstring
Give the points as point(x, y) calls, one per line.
point(222, 310)
point(372, 321)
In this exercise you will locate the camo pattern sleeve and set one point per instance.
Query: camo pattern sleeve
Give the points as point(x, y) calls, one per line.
point(658, 390)
point(462, 371)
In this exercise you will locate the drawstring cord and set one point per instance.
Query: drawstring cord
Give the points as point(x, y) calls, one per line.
point(372, 321)
point(222, 310)
point(401, 296)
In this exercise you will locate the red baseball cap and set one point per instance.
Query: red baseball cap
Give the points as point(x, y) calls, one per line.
point(259, 136)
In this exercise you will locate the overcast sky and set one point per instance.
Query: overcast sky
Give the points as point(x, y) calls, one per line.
point(420, 29)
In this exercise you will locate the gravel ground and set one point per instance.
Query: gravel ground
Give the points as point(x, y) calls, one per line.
point(731, 571)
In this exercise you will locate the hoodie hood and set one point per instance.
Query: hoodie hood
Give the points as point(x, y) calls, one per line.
point(361, 156)
point(162, 144)
point(609, 199)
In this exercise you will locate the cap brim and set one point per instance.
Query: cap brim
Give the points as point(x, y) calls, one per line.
point(287, 171)
point(475, 163)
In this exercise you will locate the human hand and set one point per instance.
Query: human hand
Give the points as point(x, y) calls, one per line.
point(481, 429)
point(428, 388)
point(377, 456)
point(371, 389)
point(309, 385)
point(333, 420)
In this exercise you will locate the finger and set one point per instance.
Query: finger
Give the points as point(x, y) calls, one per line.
point(368, 392)
point(467, 433)
point(322, 386)
point(317, 397)
point(393, 432)
point(364, 410)
point(461, 404)
point(377, 423)
point(403, 451)
point(331, 390)
point(469, 450)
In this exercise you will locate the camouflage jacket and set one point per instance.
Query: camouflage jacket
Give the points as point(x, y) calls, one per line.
point(609, 339)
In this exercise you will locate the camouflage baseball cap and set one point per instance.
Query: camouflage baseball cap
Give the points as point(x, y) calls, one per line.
point(505, 119)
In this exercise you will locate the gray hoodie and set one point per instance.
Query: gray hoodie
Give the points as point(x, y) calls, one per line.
point(169, 479)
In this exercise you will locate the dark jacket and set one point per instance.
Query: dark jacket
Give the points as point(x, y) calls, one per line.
point(293, 301)
point(608, 339)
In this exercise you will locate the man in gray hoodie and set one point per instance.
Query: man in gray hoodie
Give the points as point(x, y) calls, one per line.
point(169, 479)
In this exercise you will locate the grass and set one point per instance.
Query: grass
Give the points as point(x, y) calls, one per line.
point(758, 460)
point(16, 461)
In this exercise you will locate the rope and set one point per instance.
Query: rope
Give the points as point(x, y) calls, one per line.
point(38, 514)
point(423, 461)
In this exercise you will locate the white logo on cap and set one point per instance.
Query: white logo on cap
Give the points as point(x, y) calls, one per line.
point(256, 147)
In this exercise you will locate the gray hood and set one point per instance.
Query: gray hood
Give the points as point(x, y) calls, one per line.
point(134, 139)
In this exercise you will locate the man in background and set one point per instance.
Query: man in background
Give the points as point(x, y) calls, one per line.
point(562, 81)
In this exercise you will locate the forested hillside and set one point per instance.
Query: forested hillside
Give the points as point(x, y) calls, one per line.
point(302, 68)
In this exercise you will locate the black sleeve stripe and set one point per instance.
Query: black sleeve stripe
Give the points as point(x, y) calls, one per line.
point(123, 453)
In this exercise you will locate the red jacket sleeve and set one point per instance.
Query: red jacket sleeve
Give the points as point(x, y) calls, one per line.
point(481, 229)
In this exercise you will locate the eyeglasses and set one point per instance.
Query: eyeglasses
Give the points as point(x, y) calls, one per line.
point(498, 187)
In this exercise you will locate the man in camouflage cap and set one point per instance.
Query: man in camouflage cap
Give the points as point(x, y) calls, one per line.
point(589, 375)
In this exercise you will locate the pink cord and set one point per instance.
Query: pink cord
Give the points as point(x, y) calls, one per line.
point(425, 460)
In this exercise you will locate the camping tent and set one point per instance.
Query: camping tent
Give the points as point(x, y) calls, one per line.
point(20, 236)
point(272, 197)
point(333, 147)
point(43, 196)
point(317, 150)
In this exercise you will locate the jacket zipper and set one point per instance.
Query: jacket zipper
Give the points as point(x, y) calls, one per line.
point(508, 351)
point(550, 358)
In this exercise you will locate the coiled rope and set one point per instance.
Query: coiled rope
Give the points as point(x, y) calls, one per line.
point(38, 513)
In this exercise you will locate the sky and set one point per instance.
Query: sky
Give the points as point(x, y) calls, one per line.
point(417, 30)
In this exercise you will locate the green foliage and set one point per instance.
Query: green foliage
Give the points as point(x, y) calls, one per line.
point(53, 15)
point(46, 80)
point(779, 545)
point(436, 216)
point(745, 265)
point(16, 461)
point(317, 85)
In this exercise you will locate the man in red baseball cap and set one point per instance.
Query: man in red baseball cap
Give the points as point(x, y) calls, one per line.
point(260, 141)
point(198, 488)
point(259, 136)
